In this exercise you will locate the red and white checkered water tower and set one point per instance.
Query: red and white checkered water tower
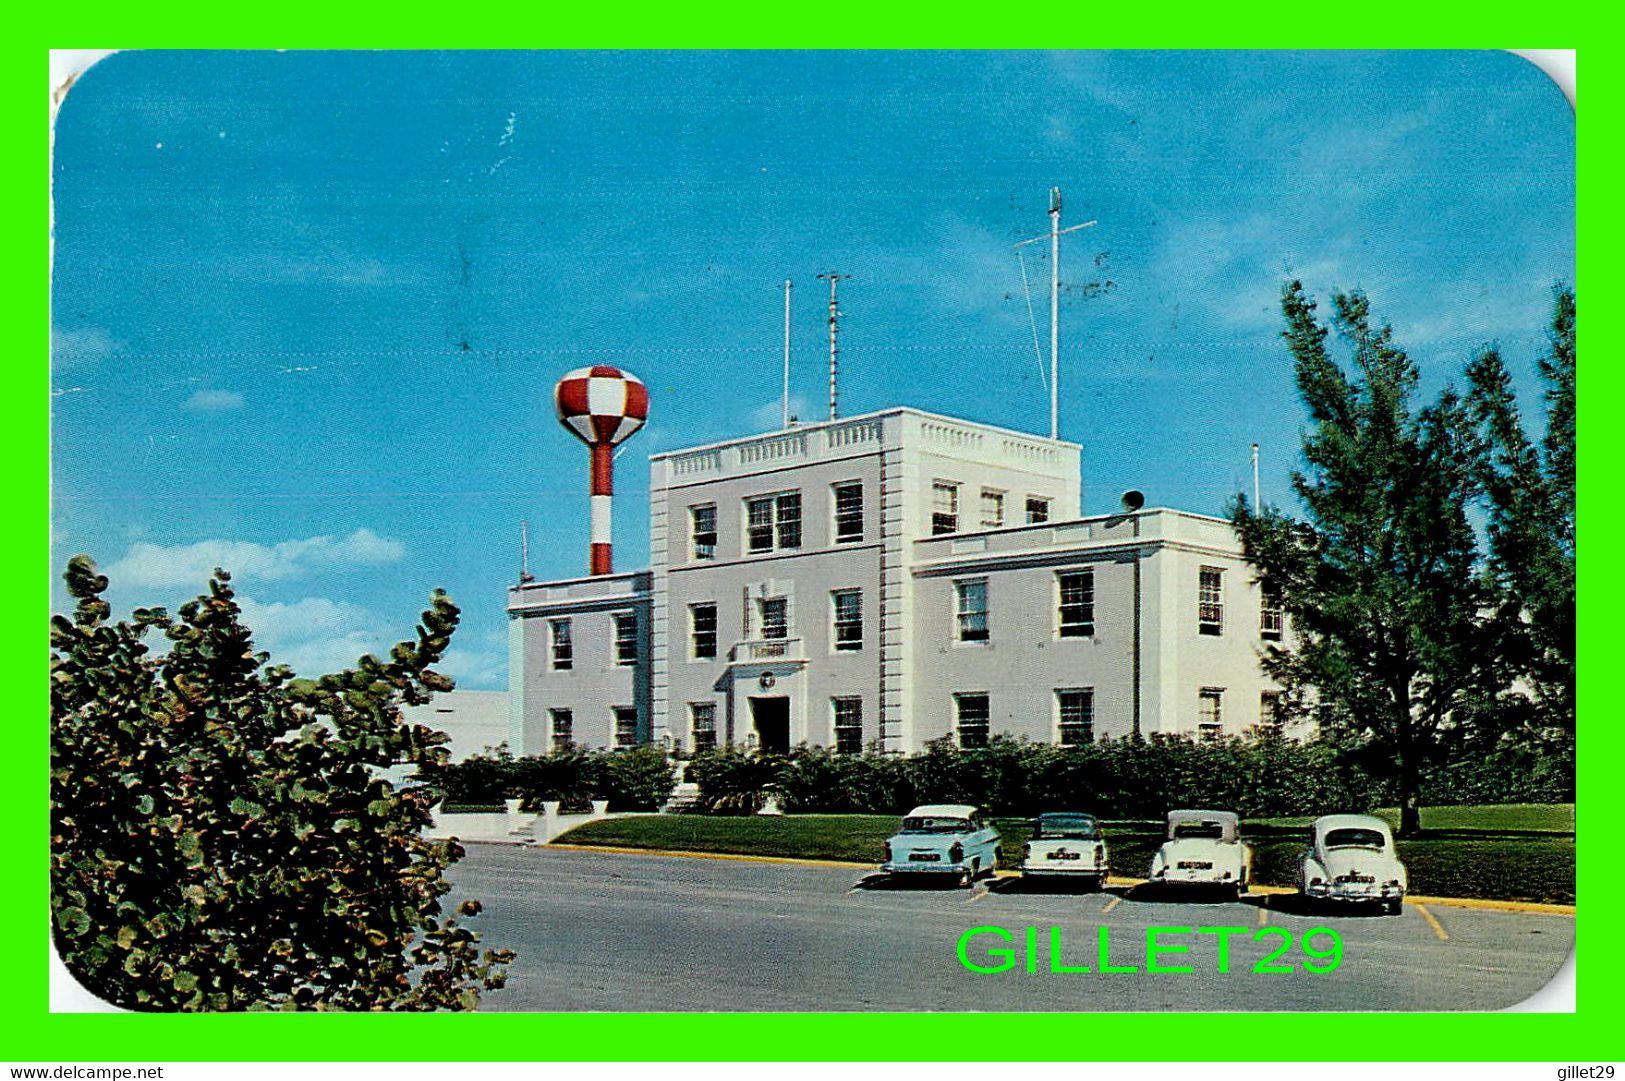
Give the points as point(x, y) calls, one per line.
point(602, 406)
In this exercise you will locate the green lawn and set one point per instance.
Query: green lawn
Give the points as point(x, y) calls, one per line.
point(857, 838)
point(1518, 852)
point(1501, 817)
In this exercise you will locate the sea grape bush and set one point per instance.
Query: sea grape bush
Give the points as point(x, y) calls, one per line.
point(221, 834)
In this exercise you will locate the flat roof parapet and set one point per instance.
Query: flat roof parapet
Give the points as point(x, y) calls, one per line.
point(1157, 525)
point(881, 430)
point(605, 588)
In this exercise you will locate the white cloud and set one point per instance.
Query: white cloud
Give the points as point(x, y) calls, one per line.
point(769, 416)
point(478, 663)
point(214, 401)
point(86, 345)
point(315, 635)
point(476, 669)
point(159, 566)
point(339, 268)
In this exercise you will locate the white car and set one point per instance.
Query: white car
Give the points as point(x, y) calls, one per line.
point(943, 839)
point(1350, 859)
point(1203, 849)
point(1065, 844)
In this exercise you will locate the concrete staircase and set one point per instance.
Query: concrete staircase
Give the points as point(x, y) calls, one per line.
point(685, 799)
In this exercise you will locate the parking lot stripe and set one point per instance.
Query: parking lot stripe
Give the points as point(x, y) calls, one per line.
point(1114, 880)
point(1263, 915)
point(1433, 921)
point(1113, 903)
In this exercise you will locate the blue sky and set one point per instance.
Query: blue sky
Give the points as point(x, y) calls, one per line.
point(308, 308)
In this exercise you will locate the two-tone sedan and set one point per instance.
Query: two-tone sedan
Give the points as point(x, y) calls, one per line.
point(1066, 845)
point(1351, 860)
point(943, 839)
point(1203, 849)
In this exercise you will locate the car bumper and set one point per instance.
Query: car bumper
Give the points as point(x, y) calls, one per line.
point(1195, 878)
point(1061, 870)
point(923, 867)
point(1355, 894)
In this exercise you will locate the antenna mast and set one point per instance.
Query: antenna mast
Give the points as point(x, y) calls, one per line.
point(1256, 507)
point(1055, 233)
point(834, 318)
point(786, 409)
point(524, 552)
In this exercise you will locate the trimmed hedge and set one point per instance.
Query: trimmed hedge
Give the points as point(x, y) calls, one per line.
point(1120, 779)
point(636, 779)
point(1259, 777)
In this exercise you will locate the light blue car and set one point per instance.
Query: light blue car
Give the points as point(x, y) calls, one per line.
point(943, 839)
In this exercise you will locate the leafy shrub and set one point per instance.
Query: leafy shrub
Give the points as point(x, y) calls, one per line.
point(221, 834)
point(1120, 779)
point(635, 779)
point(733, 781)
point(476, 780)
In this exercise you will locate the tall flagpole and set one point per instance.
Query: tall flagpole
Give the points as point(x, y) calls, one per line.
point(786, 405)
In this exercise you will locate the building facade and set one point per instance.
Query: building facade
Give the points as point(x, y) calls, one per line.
point(886, 580)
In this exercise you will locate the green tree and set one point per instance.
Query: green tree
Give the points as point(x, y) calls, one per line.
point(1530, 492)
point(1381, 577)
point(222, 837)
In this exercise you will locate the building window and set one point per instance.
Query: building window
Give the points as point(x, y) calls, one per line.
point(971, 719)
point(1037, 509)
point(848, 725)
point(789, 520)
point(1210, 601)
point(626, 639)
point(1077, 608)
point(1075, 716)
point(702, 722)
point(776, 618)
point(972, 597)
point(563, 649)
point(848, 513)
point(564, 724)
point(702, 629)
point(1210, 712)
point(1271, 711)
point(944, 508)
point(703, 529)
point(848, 619)
point(773, 521)
point(626, 726)
point(759, 524)
point(1271, 612)
point(992, 508)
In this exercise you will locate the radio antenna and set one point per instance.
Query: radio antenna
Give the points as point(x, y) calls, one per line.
point(1055, 233)
point(834, 318)
point(786, 408)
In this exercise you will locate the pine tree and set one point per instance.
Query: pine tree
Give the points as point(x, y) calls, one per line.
point(1381, 576)
point(1530, 528)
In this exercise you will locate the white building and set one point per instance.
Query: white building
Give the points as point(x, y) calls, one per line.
point(476, 721)
point(886, 580)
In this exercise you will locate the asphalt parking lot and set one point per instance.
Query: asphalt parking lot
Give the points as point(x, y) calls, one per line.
point(614, 931)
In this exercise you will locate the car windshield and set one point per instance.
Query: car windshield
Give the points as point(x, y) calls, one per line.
point(1354, 838)
point(1067, 825)
point(1208, 830)
point(933, 824)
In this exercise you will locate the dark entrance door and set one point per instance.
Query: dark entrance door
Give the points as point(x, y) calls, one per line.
point(772, 719)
